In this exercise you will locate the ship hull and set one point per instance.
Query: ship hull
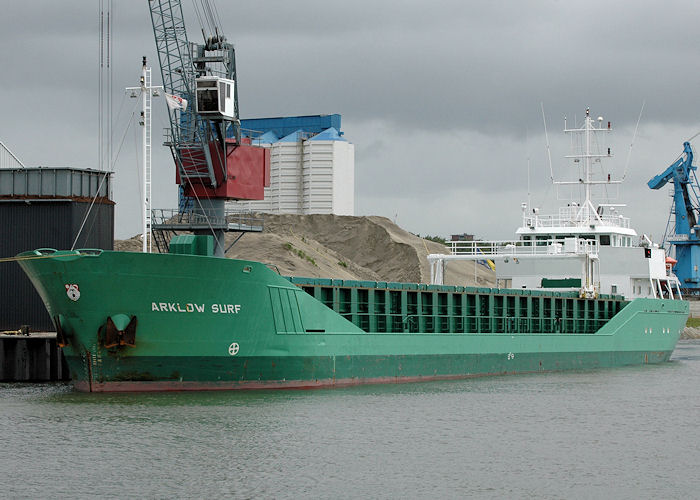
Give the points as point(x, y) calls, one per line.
point(439, 367)
point(218, 324)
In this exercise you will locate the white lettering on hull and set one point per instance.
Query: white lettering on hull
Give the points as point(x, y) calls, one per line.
point(226, 308)
point(191, 308)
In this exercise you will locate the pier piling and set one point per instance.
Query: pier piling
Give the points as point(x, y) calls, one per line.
point(31, 358)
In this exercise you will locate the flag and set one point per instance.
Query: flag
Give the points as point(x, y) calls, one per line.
point(176, 102)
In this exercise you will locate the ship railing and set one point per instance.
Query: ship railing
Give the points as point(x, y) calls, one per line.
point(273, 267)
point(567, 248)
point(573, 221)
point(522, 248)
point(232, 220)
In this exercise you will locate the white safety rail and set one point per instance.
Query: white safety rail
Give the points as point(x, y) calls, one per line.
point(503, 250)
point(572, 217)
point(518, 248)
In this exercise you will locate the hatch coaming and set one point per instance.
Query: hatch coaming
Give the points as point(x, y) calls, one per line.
point(381, 307)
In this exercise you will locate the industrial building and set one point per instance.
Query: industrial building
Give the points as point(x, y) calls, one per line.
point(46, 208)
point(312, 166)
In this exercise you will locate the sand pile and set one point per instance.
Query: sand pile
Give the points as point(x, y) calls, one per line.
point(344, 247)
point(690, 333)
point(133, 244)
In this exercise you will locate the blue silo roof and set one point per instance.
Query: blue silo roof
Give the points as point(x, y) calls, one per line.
point(284, 125)
point(330, 134)
point(293, 137)
point(268, 137)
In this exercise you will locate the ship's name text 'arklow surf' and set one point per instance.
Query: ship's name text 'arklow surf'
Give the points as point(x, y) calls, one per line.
point(191, 308)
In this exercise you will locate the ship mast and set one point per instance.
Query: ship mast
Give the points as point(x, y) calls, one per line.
point(147, 91)
point(587, 157)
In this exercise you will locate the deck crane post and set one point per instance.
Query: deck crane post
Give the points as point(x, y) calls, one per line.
point(682, 231)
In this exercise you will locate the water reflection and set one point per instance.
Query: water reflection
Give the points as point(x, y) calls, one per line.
point(619, 433)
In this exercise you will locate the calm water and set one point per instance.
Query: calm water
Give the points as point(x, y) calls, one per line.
point(622, 433)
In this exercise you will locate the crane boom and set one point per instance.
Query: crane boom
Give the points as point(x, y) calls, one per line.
point(679, 172)
point(197, 142)
point(682, 232)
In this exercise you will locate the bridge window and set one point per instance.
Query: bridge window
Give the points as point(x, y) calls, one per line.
point(605, 239)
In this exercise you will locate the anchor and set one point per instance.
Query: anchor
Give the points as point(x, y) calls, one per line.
point(116, 336)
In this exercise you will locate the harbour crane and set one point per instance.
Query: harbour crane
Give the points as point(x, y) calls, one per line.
point(214, 163)
point(682, 229)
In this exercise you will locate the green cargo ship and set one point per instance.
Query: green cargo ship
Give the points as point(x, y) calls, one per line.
point(139, 322)
point(580, 291)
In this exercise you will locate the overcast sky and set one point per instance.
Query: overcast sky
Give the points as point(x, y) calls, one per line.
point(441, 99)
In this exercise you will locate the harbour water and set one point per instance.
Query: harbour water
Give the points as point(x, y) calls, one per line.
point(620, 433)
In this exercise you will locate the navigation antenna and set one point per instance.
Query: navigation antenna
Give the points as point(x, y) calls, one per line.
point(546, 138)
point(104, 108)
point(634, 136)
point(527, 147)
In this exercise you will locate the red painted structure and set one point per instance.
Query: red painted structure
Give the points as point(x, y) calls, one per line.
point(247, 171)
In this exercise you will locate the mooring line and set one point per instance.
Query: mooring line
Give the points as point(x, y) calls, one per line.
point(29, 257)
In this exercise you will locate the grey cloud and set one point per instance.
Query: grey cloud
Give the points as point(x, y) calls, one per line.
point(439, 93)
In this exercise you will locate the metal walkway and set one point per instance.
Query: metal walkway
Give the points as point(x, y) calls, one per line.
point(168, 222)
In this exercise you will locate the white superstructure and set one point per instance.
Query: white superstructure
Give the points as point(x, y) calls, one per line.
point(585, 246)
